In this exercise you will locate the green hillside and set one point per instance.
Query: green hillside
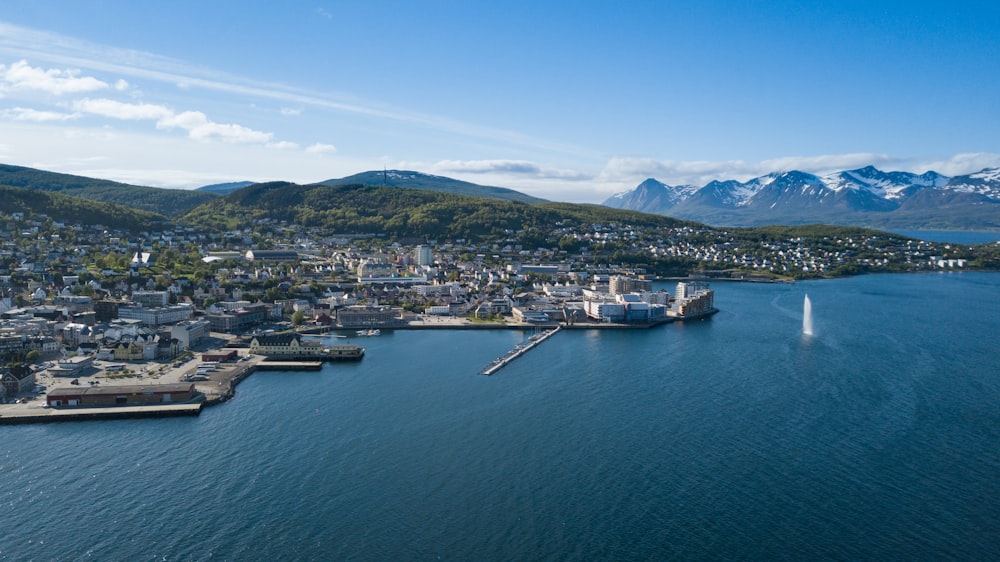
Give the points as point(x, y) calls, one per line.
point(169, 202)
point(416, 180)
point(76, 210)
point(360, 209)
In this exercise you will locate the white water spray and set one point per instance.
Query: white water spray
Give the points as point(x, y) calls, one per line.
point(807, 317)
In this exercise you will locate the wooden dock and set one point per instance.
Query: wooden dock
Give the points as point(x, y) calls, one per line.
point(519, 350)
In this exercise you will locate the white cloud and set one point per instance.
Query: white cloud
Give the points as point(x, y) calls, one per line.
point(199, 127)
point(121, 85)
point(518, 167)
point(827, 162)
point(197, 124)
point(121, 110)
point(69, 50)
point(23, 76)
point(137, 156)
point(624, 170)
point(291, 111)
point(959, 164)
point(283, 145)
point(27, 114)
point(320, 148)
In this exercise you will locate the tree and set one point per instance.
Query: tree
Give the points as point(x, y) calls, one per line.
point(297, 318)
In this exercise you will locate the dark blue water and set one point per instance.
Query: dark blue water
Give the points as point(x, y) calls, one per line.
point(732, 438)
point(953, 236)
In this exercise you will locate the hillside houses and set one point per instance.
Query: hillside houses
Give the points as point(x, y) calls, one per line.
point(72, 288)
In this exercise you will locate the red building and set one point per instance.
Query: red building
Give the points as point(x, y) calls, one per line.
point(124, 395)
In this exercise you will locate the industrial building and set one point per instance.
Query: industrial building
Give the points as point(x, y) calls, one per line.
point(124, 395)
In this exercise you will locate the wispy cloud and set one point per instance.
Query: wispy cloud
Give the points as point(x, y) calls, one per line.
point(27, 114)
point(78, 53)
point(122, 110)
point(517, 167)
point(23, 76)
point(291, 111)
point(283, 145)
point(320, 148)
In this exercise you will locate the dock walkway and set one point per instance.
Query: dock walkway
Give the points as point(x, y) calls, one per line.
point(519, 350)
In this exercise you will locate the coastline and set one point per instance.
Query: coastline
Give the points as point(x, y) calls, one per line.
point(221, 384)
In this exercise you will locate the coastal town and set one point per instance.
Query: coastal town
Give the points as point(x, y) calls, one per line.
point(177, 316)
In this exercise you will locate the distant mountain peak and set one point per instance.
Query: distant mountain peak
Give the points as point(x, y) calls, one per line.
point(225, 188)
point(856, 196)
point(419, 180)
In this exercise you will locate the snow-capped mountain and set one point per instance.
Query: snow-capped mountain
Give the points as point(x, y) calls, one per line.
point(866, 196)
point(984, 182)
point(888, 185)
point(651, 195)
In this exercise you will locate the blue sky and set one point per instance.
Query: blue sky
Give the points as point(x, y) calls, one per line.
point(570, 101)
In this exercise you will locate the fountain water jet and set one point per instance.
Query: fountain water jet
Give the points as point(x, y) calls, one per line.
point(807, 317)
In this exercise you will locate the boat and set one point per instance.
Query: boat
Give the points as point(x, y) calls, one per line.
point(375, 332)
point(341, 336)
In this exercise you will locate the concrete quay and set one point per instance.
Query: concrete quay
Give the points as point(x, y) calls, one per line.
point(218, 386)
point(47, 415)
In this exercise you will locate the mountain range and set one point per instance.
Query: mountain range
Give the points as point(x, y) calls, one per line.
point(863, 197)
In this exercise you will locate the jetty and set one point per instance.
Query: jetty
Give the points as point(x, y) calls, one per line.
point(518, 350)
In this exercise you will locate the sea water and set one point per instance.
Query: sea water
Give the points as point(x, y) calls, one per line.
point(733, 437)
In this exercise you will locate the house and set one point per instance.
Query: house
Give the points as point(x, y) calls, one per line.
point(142, 259)
point(17, 380)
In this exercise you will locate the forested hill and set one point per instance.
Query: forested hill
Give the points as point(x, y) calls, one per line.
point(361, 209)
point(76, 210)
point(417, 180)
point(169, 202)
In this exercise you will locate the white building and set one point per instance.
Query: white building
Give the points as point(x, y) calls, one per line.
point(190, 332)
point(157, 316)
point(423, 255)
point(689, 289)
point(151, 299)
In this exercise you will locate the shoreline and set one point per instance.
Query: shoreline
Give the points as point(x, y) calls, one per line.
point(221, 384)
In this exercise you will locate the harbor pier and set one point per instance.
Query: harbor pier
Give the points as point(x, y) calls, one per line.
point(519, 350)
